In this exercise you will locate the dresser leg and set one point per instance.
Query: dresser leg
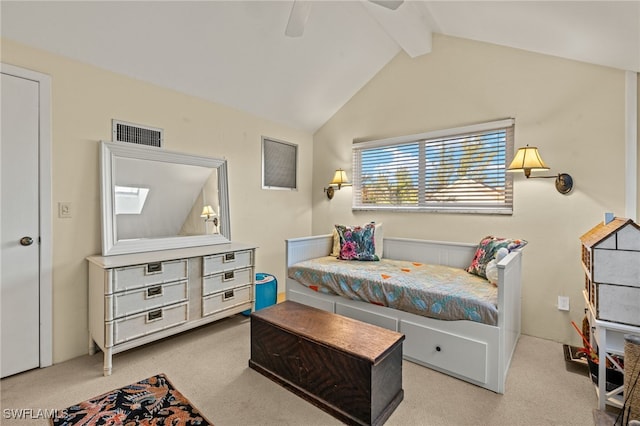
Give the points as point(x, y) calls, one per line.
point(107, 361)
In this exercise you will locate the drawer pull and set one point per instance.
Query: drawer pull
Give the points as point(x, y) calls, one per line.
point(154, 291)
point(228, 276)
point(438, 349)
point(154, 315)
point(154, 268)
point(229, 257)
point(229, 294)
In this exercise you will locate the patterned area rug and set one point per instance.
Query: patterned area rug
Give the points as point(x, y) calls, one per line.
point(153, 401)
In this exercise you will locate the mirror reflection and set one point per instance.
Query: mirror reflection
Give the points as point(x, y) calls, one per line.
point(156, 199)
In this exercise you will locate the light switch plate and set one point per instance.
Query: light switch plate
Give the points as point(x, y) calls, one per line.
point(64, 209)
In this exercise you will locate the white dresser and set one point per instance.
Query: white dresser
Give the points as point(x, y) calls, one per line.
point(138, 298)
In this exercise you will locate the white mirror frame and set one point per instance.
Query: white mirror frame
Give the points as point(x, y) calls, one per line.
point(110, 245)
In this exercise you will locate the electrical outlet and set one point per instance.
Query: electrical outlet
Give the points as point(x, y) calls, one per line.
point(563, 303)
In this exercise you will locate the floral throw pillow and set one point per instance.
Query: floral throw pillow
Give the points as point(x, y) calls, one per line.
point(487, 250)
point(357, 242)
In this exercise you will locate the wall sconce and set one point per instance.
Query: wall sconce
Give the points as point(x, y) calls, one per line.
point(528, 159)
point(339, 180)
point(210, 215)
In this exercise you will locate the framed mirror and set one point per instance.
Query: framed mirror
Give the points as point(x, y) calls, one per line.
point(154, 199)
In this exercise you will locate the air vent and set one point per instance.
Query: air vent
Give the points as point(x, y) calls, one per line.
point(279, 164)
point(136, 133)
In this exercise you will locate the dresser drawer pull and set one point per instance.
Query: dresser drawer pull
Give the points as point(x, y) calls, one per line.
point(228, 276)
point(229, 257)
point(229, 294)
point(154, 291)
point(154, 268)
point(154, 315)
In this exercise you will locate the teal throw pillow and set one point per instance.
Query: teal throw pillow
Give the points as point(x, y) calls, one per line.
point(357, 242)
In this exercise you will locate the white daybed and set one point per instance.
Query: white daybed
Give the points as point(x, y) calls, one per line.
point(475, 352)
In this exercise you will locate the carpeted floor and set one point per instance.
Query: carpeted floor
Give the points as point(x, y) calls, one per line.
point(209, 366)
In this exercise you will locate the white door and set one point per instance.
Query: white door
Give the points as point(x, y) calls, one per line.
point(19, 235)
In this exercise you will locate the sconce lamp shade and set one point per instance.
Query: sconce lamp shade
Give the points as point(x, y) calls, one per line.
point(208, 212)
point(339, 179)
point(527, 159)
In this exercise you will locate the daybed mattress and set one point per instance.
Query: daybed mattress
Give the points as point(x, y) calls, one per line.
point(434, 291)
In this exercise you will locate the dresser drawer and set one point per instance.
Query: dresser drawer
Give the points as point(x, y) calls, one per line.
point(149, 273)
point(225, 280)
point(138, 325)
point(154, 296)
point(226, 262)
point(226, 299)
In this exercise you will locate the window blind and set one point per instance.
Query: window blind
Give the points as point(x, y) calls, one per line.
point(279, 164)
point(455, 170)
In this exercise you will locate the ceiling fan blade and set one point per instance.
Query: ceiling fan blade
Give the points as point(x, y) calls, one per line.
point(389, 4)
point(298, 18)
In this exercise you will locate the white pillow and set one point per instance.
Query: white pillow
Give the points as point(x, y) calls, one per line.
point(335, 250)
point(378, 236)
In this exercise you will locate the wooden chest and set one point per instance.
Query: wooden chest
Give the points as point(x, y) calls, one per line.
point(348, 368)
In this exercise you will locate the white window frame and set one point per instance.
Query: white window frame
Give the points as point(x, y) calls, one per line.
point(503, 204)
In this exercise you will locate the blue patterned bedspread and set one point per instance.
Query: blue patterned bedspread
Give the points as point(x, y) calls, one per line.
point(434, 291)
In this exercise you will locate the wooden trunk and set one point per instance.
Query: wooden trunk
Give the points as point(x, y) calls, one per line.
point(348, 368)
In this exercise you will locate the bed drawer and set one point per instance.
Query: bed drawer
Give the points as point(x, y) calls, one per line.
point(456, 354)
point(303, 295)
point(147, 274)
point(148, 322)
point(380, 320)
point(226, 262)
point(226, 299)
point(133, 301)
point(225, 280)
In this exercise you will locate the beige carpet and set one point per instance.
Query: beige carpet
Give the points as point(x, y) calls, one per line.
point(209, 366)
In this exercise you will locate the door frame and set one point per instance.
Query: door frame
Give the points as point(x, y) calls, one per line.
point(45, 209)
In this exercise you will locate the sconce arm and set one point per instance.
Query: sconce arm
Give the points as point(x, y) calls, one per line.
point(564, 181)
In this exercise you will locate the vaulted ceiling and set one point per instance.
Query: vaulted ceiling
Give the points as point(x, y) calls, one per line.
point(236, 52)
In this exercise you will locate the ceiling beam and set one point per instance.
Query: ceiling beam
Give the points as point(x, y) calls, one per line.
point(406, 25)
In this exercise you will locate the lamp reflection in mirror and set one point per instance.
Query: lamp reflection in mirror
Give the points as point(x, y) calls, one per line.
point(339, 180)
point(210, 215)
point(527, 159)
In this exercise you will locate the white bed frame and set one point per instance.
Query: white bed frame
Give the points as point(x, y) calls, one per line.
point(474, 352)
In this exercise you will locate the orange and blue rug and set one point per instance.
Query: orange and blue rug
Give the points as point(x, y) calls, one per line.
point(153, 401)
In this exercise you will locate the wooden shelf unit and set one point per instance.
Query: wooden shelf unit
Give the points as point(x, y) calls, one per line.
point(610, 255)
point(608, 338)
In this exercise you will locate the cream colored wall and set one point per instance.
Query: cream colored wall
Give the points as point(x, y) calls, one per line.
point(574, 113)
point(84, 100)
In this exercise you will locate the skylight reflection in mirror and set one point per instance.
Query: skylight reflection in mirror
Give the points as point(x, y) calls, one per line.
point(129, 200)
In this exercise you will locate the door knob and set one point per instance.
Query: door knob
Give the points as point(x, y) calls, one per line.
point(26, 241)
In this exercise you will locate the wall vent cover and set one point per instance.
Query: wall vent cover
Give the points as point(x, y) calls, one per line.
point(279, 164)
point(136, 133)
